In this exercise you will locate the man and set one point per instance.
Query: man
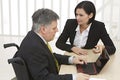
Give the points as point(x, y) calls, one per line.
point(42, 63)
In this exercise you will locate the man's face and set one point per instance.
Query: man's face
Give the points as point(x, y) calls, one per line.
point(50, 31)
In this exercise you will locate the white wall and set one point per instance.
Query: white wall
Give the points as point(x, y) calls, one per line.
point(15, 15)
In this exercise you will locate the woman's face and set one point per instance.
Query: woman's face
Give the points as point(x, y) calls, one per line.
point(82, 17)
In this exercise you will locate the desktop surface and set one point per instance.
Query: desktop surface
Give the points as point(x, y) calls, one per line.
point(109, 72)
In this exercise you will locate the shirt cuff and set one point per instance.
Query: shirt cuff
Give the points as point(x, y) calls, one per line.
point(70, 60)
point(74, 76)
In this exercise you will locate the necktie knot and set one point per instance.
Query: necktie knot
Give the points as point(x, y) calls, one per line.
point(49, 47)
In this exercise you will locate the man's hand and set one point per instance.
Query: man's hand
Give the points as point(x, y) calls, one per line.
point(80, 59)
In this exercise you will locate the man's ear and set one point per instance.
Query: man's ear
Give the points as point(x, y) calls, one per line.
point(91, 15)
point(43, 29)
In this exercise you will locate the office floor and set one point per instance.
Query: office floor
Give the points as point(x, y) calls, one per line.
point(6, 71)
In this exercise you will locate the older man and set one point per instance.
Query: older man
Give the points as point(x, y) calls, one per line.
point(34, 49)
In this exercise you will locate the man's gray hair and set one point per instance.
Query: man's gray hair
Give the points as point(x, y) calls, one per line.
point(43, 17)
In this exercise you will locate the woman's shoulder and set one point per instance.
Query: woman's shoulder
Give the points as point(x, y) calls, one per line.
point(98, 22)
point(70, 24)
point(98, 25)
point(72, 20)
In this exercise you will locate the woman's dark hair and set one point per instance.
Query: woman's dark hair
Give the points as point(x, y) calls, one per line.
point(89, 8)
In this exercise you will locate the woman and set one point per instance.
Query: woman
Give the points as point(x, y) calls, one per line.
point(84, 32)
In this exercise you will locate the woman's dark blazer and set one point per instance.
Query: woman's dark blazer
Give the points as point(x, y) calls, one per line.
point(97, 32)
point(40, 60)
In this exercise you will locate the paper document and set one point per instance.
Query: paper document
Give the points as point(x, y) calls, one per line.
point(96, 79)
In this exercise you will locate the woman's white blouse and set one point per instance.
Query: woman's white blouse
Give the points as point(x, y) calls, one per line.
point(81, 38)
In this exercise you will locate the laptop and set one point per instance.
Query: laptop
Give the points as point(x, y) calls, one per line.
point(93, 68)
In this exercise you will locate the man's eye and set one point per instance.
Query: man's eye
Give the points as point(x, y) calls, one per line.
point(54, 28)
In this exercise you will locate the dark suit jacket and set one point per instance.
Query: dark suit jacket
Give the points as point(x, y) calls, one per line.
point(97, 32)
point(39, 59)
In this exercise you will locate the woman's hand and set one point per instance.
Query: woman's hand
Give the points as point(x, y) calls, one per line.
point(79, 51)
point(98, 49)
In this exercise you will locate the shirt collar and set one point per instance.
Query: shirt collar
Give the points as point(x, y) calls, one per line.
point(41, 37)
point(88, 28)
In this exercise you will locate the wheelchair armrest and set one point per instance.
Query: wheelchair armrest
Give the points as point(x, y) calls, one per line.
point(16, 60)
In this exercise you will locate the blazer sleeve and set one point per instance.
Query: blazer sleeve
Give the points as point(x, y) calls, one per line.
point(61, 43)
point(62, 59)
point(109, 45)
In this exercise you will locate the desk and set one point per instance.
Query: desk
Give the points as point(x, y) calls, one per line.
point(91, 57)
point(110, 71)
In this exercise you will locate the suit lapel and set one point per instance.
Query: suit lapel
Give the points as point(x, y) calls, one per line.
point(73, 31)
point(39, 40)
point(90, 35)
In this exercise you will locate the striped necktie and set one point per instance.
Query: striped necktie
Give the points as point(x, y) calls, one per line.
point(56, 62)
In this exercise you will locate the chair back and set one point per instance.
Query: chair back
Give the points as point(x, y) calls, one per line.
point(19, 65)
point(20, 68)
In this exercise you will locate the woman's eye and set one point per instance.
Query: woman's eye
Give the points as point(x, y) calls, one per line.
point(79, 15)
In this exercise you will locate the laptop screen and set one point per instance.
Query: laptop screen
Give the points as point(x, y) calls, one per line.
point(102, 60)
